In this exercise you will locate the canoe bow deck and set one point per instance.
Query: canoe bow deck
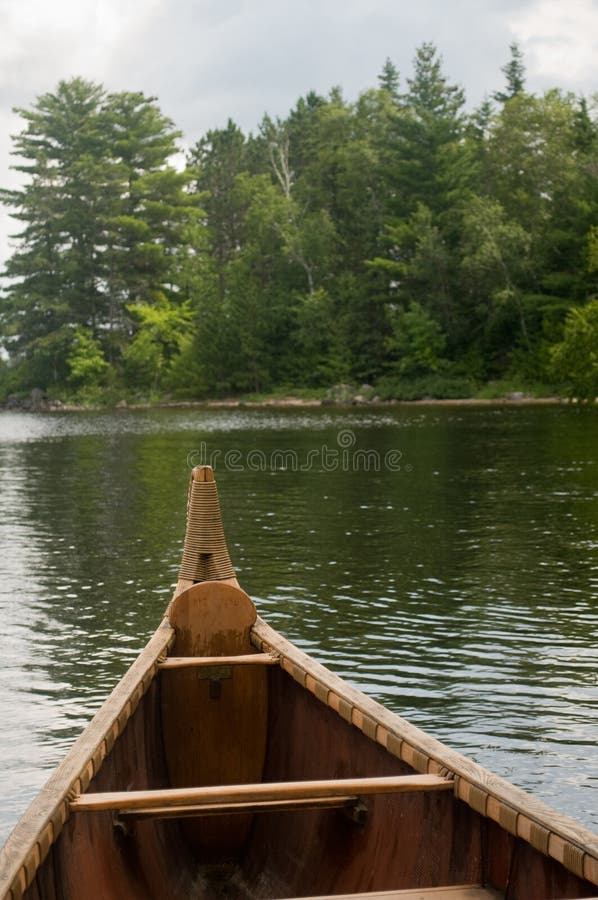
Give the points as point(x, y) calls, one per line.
point(228, 763)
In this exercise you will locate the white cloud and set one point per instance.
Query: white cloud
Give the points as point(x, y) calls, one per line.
point(208, 60)
point(559, 41)
point(42, 42)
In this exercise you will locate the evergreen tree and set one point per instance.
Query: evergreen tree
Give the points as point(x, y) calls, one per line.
point(149, 213)
point(430, 157)
point(53, 286)
point(543, 185)
point(301, 127)
point(476, 152)
point(215, 162)
point(101, 212)
point(514, 72)
point(429, 174)
point(389, 80)
point(585, 130)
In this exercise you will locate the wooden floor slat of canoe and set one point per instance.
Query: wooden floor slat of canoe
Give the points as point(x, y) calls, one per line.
point(456, 892)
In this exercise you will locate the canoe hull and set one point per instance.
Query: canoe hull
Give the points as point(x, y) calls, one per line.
point(228, 763)
point(415, 840)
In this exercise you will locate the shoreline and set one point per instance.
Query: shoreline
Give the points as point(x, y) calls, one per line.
point(289, 402)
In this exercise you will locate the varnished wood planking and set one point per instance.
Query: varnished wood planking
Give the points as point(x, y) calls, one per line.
point(567, 842)
point(407, 839)
point(214, 737)
point(94, 860)
point(41, 825)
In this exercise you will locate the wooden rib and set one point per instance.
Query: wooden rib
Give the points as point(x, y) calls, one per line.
point(570, 843)
point(213, 809)
point(256, 793)
point(247, 659)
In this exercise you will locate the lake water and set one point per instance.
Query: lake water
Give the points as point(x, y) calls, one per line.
point(456, 580)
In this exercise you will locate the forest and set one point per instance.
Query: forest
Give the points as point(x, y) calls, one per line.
point(401, 243)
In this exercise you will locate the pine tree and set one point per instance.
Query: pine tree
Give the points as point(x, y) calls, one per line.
point(389, 79)
point(514, 72)
point(102, 216)
point(429, 174)
point(427, 136)
point(52, 288)
point(147, 213)
point(214, 163)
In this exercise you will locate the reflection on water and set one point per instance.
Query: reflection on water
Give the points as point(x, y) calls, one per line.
point(458, 586)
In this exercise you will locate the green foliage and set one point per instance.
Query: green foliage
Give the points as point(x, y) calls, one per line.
point(494, 264)
point(101, 213)
point(393, 240)
point(419, 260)
point(86, 360)
point(389, 78)
point(514, 388)
point(319, 340)
point(436, 387)
point(575, 358)
point(593, 249)
point(514, 72)
point(162, 334)
point(46, 366)
point(416, 341)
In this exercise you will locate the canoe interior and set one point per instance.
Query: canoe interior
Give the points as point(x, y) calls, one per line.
point(270, 728)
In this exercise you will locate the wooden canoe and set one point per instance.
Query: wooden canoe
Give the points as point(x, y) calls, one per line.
point(228, 763)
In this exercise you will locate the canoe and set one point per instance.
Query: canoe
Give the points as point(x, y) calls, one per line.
point(228, 763)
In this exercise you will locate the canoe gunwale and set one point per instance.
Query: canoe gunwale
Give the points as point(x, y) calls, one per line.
point(39, 827)
point(521, 814)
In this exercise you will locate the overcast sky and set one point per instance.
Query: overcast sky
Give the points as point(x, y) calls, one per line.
point(208, 60)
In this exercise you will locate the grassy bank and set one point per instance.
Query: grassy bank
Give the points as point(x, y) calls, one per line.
point(431, 390)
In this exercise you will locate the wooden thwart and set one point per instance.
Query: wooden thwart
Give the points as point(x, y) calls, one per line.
point(247, 659)
point(215, 796)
